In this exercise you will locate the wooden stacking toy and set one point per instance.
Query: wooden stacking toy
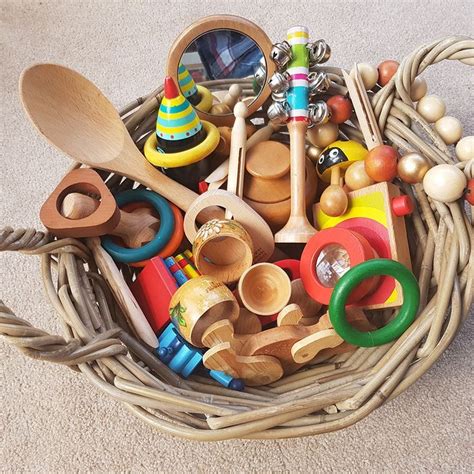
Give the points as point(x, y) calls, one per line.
point(198, 96)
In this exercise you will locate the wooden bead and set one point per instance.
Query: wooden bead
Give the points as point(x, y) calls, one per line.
point(444, 183)
point(369, 75)
point(381, 163)
point(323, 135)
point(470, 192)
point(356, 177)
point(418, 89)
point(465, 149)
point(412, 167)
point(340, 107)
point(334, 201)
point(387, 70)
point(449, 129)
point(313, 152)
point(431, 108)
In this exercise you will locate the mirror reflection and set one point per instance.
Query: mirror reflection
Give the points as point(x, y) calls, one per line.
point(220, 67)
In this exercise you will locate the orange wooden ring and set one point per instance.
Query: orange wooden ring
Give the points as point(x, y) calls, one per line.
point(176, 237)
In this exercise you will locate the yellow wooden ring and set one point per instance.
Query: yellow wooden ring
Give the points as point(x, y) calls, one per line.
point(186, 157)
point(205, 103)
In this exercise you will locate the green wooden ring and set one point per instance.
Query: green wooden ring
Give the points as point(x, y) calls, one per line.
point(392, 330)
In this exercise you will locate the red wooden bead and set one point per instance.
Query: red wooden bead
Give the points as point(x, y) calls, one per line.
point(402, 205)
point(470, 192)
point(387, 69)
point(381, 163)
point(340, 107)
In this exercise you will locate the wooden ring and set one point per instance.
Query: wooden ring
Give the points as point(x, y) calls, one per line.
point(223, 249)
point(358, 249)
point(200, 302)
point(258, 229)
point(353, 278)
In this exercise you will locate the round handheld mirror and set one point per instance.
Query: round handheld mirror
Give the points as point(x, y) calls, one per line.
point(219, 60)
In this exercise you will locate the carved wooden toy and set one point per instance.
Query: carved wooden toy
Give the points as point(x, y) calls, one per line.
point(223, 249)
point(371, 214)
point(199, 303)
point(93, 220)
point(264, 289)
point(135, 229)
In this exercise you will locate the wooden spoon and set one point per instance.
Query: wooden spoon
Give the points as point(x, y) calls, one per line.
point(74, 116)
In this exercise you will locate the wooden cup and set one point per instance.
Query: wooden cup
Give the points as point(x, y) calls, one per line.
point(199, 303)
point(223, 249)
point(264, 289)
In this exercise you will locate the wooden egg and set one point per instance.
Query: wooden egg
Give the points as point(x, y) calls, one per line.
point(340, 107)
point(334, 201)
point(386, 70)
point(368, 74)
point(381, 163)
point(419, 88)
point(444, 183)
point(449, 129)
point(356, 177)
point(323, 135)
point(465, 149)
point(412, 167)
point(264, 289)
point(431, 108)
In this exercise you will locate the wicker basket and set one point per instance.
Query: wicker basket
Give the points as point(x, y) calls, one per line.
point(325, 396)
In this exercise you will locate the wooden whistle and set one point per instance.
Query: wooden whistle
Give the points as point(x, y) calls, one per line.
point(135, 229)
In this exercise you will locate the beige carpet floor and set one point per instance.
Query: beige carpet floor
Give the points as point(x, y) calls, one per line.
point(51, 420)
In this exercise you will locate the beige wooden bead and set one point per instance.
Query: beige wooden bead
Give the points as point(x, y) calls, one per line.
point(449, 129)
point(444, 183)
point(431, 108)
point(323, 135)
point(465, 149)
point(418, 89)
point(369, 75)
point(356, 177)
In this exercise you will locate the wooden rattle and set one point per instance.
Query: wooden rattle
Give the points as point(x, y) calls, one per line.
point(298, 227)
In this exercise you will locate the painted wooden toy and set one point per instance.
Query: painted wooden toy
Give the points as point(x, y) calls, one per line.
point(412, 167)
point(371, 214)
point(332, 163)
point(223, 249)
point(199, 303)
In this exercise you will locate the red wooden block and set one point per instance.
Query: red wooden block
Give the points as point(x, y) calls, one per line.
point(153, 290)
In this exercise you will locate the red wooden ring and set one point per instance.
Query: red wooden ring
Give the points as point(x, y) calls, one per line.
point(358, 249)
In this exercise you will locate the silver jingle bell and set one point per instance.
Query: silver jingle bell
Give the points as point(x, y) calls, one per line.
point(319, 52)
point(260, 75)
point(318, 82)
point(279, 82)
point(318, 113)
point(281, 54)
point(279, 96)
point(278, 112)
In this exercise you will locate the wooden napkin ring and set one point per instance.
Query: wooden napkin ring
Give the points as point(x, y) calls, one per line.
point(223, 249)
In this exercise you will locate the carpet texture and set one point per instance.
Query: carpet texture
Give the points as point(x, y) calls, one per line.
point(51, 420)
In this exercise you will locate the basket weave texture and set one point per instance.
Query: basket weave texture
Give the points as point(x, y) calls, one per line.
point(326, 395)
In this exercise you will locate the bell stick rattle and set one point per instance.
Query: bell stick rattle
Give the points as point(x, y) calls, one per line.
point(298, 227)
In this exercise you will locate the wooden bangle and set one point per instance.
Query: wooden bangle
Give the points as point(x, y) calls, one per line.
point(260, 233)
point(223, 249)
point(200, 302)
point(176, 237)
point(358, 249)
